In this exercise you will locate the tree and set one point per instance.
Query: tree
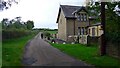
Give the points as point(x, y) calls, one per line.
point(29, 24)
point(6, 4)
point(112, 28)
point(4, 23)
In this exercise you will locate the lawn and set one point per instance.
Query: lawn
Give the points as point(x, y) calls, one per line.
point(12, 50)
point(88, 54)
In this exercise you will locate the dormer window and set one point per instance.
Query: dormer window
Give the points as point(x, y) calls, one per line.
point(82, 17)
point(81, 14)
point(85, 17)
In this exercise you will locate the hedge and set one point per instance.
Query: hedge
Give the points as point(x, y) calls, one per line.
point(11, 34)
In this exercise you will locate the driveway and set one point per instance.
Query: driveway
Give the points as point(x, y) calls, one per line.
point(40, 53)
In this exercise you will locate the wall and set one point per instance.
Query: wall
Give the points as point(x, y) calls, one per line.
point(70, 29)
point(93, 40)
point(83, 39)
point(113, 50)
point(62, 26)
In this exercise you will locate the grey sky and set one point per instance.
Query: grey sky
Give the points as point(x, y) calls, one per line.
point(42, 12)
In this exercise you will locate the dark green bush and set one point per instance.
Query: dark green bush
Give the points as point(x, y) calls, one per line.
point(11, 34)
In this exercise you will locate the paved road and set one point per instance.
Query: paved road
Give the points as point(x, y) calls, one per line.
point(40, 53)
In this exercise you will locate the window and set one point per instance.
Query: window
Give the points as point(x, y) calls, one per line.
point(79, 31)
point(93, 31)
point(85, 17)
point(82, 31)
point(81, 17)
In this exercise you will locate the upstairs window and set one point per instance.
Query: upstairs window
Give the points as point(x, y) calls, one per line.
point(85, 17)
point(82, 17)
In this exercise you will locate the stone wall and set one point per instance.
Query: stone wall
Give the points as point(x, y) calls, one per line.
point(83, 39)
point(113, 50)
point(93, 40)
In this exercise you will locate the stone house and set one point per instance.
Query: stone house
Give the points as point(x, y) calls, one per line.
point(72, 21)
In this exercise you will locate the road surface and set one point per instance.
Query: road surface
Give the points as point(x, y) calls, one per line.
point(40, 53)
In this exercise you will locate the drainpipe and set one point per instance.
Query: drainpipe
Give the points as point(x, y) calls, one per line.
point(74, 24)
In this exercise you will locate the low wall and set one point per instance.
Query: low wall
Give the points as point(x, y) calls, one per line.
point(83, 39)
point(113, 50)
point(93, 40)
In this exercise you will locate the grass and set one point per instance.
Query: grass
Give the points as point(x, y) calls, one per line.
point(50, 31)
point(88, 54)
point(0, 53)
point(12, 50)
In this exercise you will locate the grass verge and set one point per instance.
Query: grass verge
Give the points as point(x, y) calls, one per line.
point(12, 50)
point(0, 53)
point(87, 54)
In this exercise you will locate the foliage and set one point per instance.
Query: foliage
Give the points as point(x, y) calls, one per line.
point(5, 4)
point(16, 23)
point(112, 20)
point(29, 24)
point(112, 24)
point(46, 34)
point(11, 34)
point(88, 54)
point(0, 53)
point(13, 50)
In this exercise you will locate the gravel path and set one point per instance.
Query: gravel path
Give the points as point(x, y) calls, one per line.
point(39, 53)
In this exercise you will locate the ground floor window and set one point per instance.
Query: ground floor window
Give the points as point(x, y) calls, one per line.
point(82, 31)
point(93, 31)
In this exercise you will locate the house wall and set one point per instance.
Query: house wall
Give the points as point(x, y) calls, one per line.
point(62, 27)
point(72, 26)
point(70, 29)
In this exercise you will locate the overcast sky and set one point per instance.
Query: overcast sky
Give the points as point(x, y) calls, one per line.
point(43, 12)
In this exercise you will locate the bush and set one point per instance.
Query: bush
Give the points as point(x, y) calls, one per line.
point(11, 34)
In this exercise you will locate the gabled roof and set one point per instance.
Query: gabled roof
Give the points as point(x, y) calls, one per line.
point(68, 10)
point(80, 9)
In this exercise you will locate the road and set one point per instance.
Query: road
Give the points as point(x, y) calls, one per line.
point(40, 53)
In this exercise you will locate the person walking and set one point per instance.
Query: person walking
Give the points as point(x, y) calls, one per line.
point(41, 35)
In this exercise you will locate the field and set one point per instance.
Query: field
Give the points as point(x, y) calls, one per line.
point(88, 54)
point(12, 50)
point(50, 31)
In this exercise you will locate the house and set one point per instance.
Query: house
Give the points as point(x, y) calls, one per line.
point(72, 21)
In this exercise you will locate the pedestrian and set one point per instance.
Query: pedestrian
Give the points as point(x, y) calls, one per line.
point(42, 36)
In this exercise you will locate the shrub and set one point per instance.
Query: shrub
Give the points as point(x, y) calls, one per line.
point(11, 34)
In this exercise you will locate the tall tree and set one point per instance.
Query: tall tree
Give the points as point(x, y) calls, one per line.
point(112, 13)
point(4, 23)
point(30, 24)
